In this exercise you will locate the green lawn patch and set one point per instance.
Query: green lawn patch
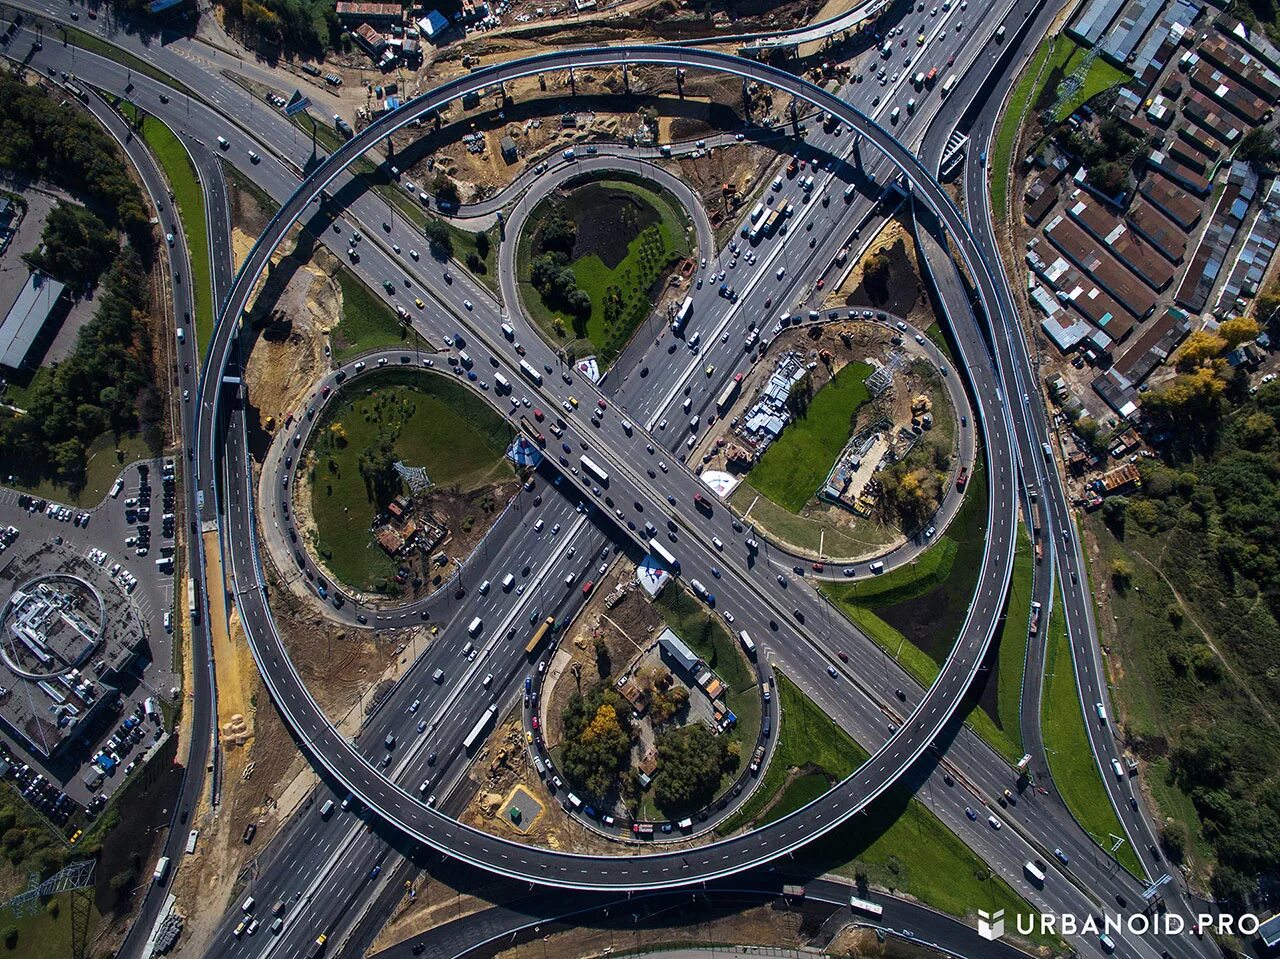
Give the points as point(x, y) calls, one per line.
point(1013, 641)
point(47, 934)
point(1056, 57)
point(806, 737)
point(619, 283)
point(367, 322)
point(794, 465)
point(813, 533)
point(105, 48)
point(927, 601)
point(897, 843)
point(181, 174)
point(107, 455)
point(1067, 743)
point(707, 636)
point(443, 427)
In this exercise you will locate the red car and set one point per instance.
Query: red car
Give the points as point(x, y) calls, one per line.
point(602, 404)
point(324, 391)
point(535, 721)
point(537, 414)
point(817, 567)
point(586, 587)
point(821, 282)
point(843, 658)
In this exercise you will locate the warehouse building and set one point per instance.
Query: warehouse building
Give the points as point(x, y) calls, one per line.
point(1129, 248)
point(1082, 250)
point(1158, 230)
point(29, 321)
point(1094, 20)
point(1210, 256)
point(1170, 199)
point(1135, 19)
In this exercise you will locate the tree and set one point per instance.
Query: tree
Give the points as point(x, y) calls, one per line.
point(665, 705)
point(691, 762)
point(482, 244)
point(76, 246)
point(438, 238)
point(558, 234)
point(1199, 348)
point(377, 465)
point(445, 189)
point(597, 740)
point(1121, 574)
point(875, 277)
point(1238, 329)
point(10, 937)
point(1259, 147)
point(474, 263)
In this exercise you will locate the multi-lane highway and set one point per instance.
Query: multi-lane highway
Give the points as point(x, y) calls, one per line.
point(787, 612)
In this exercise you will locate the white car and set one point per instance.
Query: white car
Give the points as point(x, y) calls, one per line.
point(782, 271)
point(413, 254)
point(467, 304)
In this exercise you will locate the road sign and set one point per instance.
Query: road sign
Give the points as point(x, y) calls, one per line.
point(297, 103)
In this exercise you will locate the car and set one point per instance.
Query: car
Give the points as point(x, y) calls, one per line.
point(413, 254)
point(831, 671)
point(573, 401)
point(968, 811)
point(417, 301)
point(468, 304)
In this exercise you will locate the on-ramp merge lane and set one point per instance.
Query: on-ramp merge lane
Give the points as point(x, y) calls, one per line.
point(661, 869)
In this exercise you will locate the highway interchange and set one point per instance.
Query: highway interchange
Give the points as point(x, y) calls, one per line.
point(796, 640)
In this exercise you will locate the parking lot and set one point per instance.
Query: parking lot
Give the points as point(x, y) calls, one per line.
point(114, 548)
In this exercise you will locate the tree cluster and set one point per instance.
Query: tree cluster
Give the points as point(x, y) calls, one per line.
point(596, 748)
point(69, 149)
point(297, 26)
point(555, 281)
point(75, 247)
point(1215, 511)
point(107, 384)
point(692, 760)
point(1106, 154)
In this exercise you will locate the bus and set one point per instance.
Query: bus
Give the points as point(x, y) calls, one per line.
point(866, 906)
point(1034, 872)
point(682, 315)
point(661, 552)
point(539, 635)
point(748, 644)
point(730, 391)
point(477, 731)
point(589, 466)
point(949, 85)
point(530, 372)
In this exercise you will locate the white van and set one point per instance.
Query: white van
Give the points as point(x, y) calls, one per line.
point(162, 869)
point(248, 904)
point(192, 838)
point(539, 765)
point(508, 331)
point(468, 649)
point(777, 184)
point(223, 143)
point(877, 567)
point(757, 211)
point(327, 809)
point(474, 627)
point(484, 587)
point(693, 423)
point(1102, 713)
point(182, 335)
point(507, 582)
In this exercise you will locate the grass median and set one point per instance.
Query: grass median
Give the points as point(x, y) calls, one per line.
point(189, 198)
point(897, 843)
point(916, 612)
point(1066, 740)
